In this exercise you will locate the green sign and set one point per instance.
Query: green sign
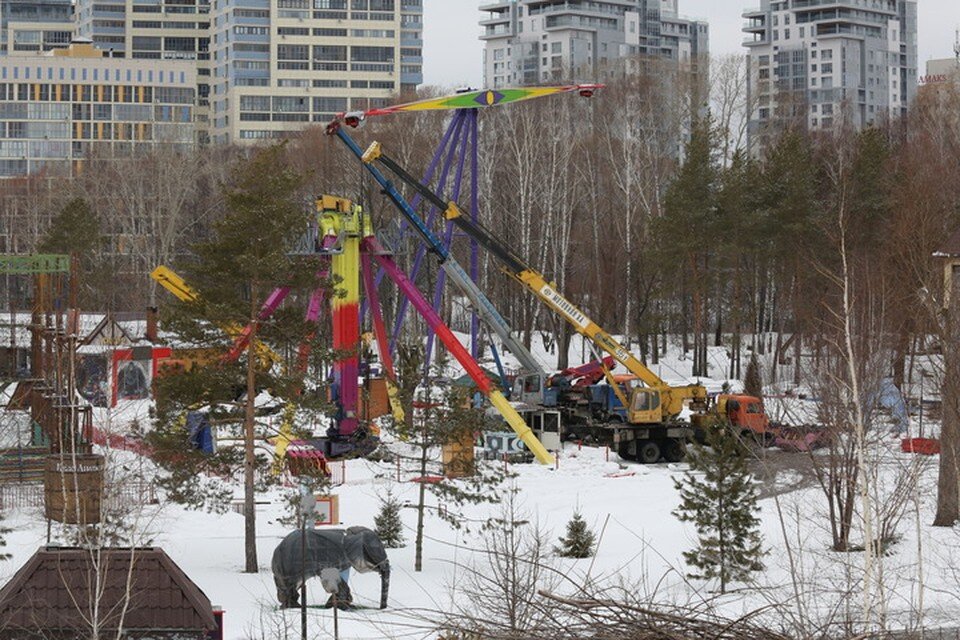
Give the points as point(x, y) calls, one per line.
point(36, 263)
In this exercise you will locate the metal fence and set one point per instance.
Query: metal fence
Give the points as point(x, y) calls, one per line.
point(121, 495)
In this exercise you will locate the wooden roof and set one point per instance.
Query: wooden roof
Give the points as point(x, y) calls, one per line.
point(52, 592)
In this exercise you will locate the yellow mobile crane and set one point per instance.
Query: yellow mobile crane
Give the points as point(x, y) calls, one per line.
point(651, 410)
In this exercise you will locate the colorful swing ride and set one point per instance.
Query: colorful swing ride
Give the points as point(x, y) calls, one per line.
point(344, 236)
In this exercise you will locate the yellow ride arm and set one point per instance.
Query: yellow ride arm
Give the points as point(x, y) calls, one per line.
point(169, 280)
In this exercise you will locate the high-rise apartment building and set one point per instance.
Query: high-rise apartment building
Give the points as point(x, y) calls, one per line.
point(29, 27)
point(57, 109)
point(279, 65)
point(538, 41)
point(153, 30)
point(819, 61)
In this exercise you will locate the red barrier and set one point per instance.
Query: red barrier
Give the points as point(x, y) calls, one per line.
point(921, 446)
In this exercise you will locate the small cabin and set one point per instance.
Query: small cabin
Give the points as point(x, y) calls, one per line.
point(51, 596)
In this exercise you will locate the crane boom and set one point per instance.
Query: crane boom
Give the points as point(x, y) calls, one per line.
point(672, 397)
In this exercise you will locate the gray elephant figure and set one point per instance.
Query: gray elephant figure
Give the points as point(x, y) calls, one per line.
point(356, 548)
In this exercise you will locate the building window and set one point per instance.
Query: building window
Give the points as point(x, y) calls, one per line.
point(329, 105)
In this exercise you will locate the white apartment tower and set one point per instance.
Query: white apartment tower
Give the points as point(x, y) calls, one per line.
point(280, 65)
point(153, 30)
point(538, 41)
point(817, 61)
point(30, 27)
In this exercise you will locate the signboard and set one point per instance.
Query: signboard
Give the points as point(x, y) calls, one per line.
point(502, 442)
point(933, 79)
point(327, 510)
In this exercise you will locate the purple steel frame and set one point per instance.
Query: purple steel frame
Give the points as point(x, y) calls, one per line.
point(459, 143)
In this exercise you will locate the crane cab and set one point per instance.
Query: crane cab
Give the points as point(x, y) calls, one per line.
point(645, 406)
point(532, 389)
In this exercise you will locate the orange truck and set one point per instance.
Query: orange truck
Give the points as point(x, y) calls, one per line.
point(744, 413)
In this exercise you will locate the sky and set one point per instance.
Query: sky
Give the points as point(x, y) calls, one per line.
point(452, 49)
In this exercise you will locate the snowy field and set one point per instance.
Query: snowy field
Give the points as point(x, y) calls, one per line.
point(627, 505)
point(631, 505)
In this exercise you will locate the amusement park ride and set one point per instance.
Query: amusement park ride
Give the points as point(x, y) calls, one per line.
point(637, 416)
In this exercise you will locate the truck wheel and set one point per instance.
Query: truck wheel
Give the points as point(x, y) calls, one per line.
point(648, 452)
point(674, 451)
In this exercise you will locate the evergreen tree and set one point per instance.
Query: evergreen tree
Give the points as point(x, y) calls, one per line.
point(387, 523)
point(3, 540)
point(76, 231)
point(691, 202)
point(232, 271)
point(753, 383)
point(718, 497)
point(578, 543)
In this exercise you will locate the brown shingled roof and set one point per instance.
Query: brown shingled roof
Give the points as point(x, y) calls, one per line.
point(52, 592)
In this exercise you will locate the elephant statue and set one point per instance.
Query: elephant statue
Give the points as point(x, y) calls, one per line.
point(353, 548)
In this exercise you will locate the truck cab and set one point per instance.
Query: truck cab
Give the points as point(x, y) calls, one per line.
point(747, 414)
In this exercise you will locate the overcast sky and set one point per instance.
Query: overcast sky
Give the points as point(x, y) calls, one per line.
point(452, 49)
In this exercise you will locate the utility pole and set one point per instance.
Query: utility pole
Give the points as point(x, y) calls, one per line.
point(249, 459)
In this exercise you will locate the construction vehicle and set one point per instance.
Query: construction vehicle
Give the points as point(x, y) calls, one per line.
point(650, 428)
point(744, 414)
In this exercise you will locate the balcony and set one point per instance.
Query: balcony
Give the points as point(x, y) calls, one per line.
point(501, 5)
point(495, 19)
point(498, 31)
point(581, 8)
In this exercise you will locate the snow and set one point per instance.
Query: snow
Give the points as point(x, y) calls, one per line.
point(631, 504)
point(628, 505)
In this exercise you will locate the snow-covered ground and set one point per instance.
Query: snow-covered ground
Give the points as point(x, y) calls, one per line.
point(628, 505)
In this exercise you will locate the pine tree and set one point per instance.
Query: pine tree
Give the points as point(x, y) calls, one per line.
point(718, 497)
point(76, 231)
point(753, 383)
point(232, 271)
point(448, 416)
point(578, 543)
point(387, 523)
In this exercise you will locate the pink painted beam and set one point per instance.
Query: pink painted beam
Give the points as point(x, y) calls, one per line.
point(242, 340)
point(376, 312)
point(433, 319)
